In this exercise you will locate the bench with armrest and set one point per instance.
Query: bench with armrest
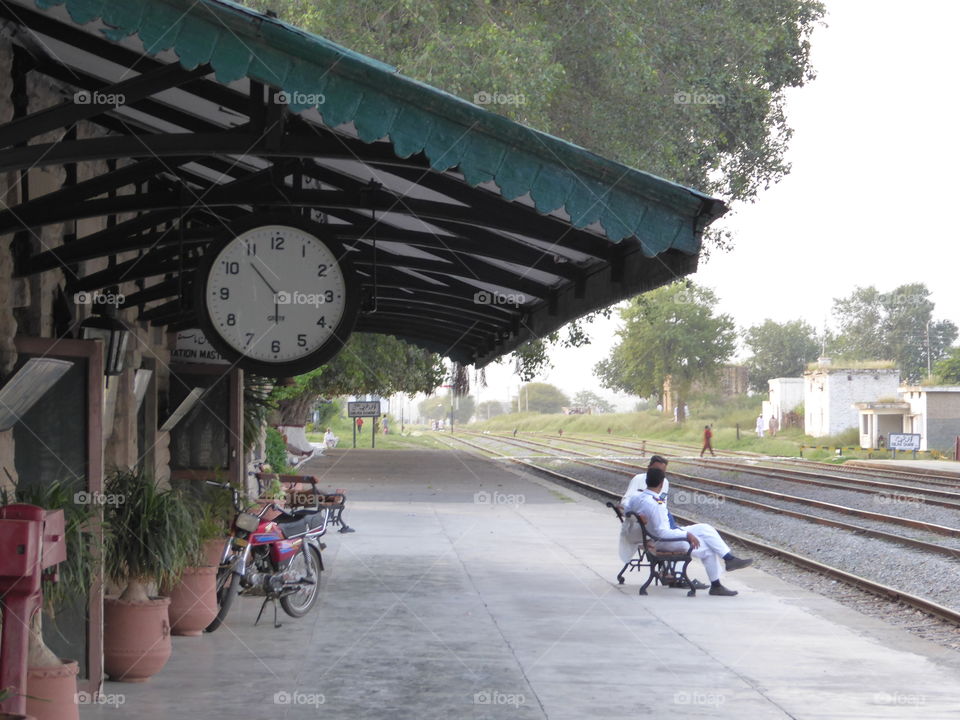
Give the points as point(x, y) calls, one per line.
point(302, 492)
point(663, 564)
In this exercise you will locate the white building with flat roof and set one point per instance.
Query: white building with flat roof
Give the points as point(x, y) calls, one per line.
point(830, 395)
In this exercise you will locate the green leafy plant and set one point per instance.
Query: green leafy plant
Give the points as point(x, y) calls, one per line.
point(276, 451)
point(153, 534)
point(274, 490)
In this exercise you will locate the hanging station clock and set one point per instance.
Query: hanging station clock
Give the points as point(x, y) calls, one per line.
point(277, 295)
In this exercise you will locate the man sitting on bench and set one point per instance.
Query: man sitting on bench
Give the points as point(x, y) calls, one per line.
point(706, 542)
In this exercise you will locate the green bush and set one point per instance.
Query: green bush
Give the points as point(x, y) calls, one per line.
point(276, 451)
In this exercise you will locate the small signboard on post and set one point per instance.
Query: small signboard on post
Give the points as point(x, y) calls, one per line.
point(363, 409)
point(904, 441)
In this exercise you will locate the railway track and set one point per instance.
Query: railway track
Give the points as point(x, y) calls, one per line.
point(833, 477)
point(879, 589)
point(630, 469)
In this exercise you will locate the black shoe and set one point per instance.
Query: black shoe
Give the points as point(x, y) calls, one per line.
point(721, 590)
point(737, 563)
point(695, 584)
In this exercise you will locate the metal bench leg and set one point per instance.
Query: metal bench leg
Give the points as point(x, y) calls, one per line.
point(683, 574)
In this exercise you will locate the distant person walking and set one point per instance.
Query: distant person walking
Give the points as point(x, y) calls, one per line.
point(360, 426)
point(760, 425)
point(707, 438)
point(774, 426)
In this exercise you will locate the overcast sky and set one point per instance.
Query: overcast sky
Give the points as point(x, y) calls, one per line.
point(869, 200)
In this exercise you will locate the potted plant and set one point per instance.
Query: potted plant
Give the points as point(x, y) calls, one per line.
point(152, 538)
point(52, 681)
point(193, 600)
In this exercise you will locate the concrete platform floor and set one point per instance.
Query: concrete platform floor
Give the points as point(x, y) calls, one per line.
point(471, 591)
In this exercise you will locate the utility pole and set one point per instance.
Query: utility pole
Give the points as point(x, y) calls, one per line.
point(928, 349)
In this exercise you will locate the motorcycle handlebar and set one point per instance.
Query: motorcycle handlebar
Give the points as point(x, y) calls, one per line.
point(232, 489)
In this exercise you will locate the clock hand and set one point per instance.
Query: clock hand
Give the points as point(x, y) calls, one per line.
point(257, 271)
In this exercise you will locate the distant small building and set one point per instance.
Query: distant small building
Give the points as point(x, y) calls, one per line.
point(830, 395)
point(786, 394)
point(933, 412)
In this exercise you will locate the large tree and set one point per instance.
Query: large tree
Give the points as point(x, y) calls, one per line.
point(368, 365)
point(948, 368)
point(542, 398)
point(670, 335)
point(897, 326)
point(587, 399)
point(690, 91)
point(437, 407)
point(779, 350)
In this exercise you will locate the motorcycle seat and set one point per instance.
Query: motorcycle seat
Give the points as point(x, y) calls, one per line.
point(300, 522)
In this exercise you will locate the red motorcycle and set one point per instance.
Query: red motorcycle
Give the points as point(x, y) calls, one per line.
point(277, 558)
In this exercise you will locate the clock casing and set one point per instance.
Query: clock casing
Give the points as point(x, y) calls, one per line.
point(277, 295)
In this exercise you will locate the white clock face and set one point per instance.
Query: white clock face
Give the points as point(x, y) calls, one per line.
point(276, 294)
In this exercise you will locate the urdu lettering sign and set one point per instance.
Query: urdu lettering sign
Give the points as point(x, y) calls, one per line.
point(363, 409)
point(903, 441)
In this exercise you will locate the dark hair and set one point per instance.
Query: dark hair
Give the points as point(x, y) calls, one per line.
point(655, 477)
point(656, 459)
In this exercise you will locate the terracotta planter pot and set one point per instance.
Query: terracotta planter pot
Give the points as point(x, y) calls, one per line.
point(136, 638)
point(213, 551)
point(193, 602)
point(52, 692)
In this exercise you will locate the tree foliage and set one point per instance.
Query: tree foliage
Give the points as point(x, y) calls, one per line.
point(893, 326)
point(437, 407)
point(489, 409)
point(779, 350)
point(587, 399)
point(671, 332)
point(690, 91)
point(369, 364)
point(542, 398)
point(948, 368)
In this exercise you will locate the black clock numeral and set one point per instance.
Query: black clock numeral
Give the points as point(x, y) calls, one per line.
point(328, 296)
point(275, 346)
point(276, 243)
point(224, 293)
point(231, 319)
point(303, 250)
point(321, 270)
point(322, 322)
point(251, 248)
point(231, 267)
point(249, 339)
point(302, 340)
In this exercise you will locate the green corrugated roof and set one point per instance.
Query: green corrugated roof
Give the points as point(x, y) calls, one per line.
point(453, 133)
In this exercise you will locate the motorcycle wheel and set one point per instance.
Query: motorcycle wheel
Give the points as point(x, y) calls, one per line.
point(299, 603)
point(228, 585)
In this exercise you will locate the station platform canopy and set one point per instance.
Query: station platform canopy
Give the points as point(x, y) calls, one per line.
point(471, 233)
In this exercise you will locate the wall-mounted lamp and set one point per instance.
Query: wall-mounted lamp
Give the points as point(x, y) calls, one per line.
point(113, 333)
